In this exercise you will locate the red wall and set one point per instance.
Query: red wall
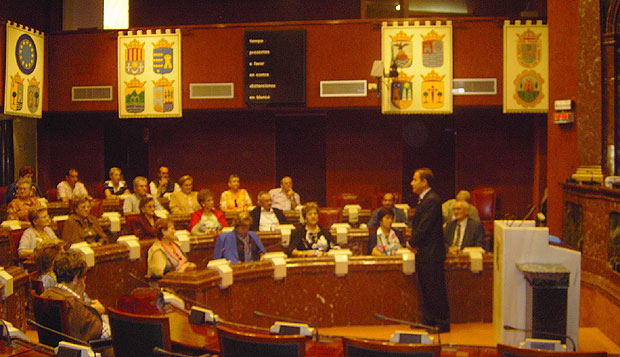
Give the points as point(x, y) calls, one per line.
point(364, 149)
point(561, 139)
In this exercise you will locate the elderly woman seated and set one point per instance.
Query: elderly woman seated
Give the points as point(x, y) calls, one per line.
point(144, 226)
point(208, 219)
point(85, 315)
point(36, 234)
point(81, 225)
point(115, 186)
point(384, 240)
point(184, 201)
point(165, 254)
point(310, 240)
point(19, 207)
point(239, 244)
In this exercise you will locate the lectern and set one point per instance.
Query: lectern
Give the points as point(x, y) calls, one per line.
point(522, 244)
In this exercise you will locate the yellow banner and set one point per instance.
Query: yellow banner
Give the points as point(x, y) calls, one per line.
point(526, 67)
point(417, 62)
point(149, 74)
point(23, 85)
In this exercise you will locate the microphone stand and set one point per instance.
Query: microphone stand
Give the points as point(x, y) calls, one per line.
point(288, 319)
point(431, 329)
point(512, 328)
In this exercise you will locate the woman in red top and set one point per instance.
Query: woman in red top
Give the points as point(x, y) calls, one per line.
point(207, 220)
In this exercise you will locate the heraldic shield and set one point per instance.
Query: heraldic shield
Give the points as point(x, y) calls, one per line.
point(433, 91)
point(529, 47)
point(528, 88)
point(162, 57)
point(17, 92)
point(402, 91)
point(163, 95)
point(134, 96)
point(432, 49)
point(33, 95)
point(134, 57)
point(402, 50)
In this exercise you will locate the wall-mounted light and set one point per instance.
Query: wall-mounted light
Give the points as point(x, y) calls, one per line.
point(382, 77)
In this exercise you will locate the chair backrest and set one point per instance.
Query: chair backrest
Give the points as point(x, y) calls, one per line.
point(484, 200)
point(96, 207)
point(2, 193)
point(51, 313)
point(505, 350)
point(36, 284)
point(368, 348)
point(52, 194)
point(328, 216)
point(130, 219)
point(240, 343)
point(342, 199)
point(137, 335)
point(14, 237)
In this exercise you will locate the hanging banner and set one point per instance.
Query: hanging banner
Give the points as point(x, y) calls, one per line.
point(23, 85)
point(417, 62)
point(526, 67)
point(149, 74)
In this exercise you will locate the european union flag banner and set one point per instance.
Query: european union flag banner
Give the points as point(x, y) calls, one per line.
point(419, 59)
point(149, 77)
point(526, 67)
point(23, 85)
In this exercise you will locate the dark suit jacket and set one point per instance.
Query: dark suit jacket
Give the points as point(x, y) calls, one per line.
point(427, 230)
point(473, 236)
point(256, 217)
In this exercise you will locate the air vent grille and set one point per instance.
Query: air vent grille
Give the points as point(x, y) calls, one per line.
point(211, 90)
point(355, 88)
point(474, 86)
point(91, 93)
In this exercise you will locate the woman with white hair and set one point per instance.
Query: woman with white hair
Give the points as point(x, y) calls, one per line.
point(115, 186)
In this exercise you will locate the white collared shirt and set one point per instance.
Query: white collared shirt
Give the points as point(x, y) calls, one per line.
point(268, 220)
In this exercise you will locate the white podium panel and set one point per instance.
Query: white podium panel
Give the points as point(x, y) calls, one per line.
point(519, 242)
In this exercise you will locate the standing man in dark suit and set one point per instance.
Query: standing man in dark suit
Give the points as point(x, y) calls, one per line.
point(464, 231)
point(427, 239)
point(264, 216)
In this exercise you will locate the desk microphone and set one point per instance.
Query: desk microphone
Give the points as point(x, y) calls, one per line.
point(512, 328)
point(431, 329)
point(288, 319)
point(531, 209)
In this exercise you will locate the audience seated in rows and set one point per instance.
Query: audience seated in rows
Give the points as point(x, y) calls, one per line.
point(144, 226)
point(283, 197)
point(162, 186)
point(24, 202)
point(384, 240)
point(71, 186)
point(165, 254)
point(81, 226)
point(43, 256)
point(388, 203)
point(234, 199)
point(115, 186)
point(448, 211)
point(11, 189)
point(264, 216)
point(37, 233)
point(311, 239)
point(132, 202)
point(184, 201)
point(240, 244)
point(85, 315)
point(463, 231)
point(206, 220)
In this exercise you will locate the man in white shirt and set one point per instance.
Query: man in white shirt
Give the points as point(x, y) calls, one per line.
point(132, 203)
point(265, 217)
point(162, 186)
point(464, 231)
point(70, 187)
point(283, 197)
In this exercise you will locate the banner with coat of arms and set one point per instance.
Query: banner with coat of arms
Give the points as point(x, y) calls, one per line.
point(419, 59)
point(23, 86)
point(149, 74)
point(526, 67)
